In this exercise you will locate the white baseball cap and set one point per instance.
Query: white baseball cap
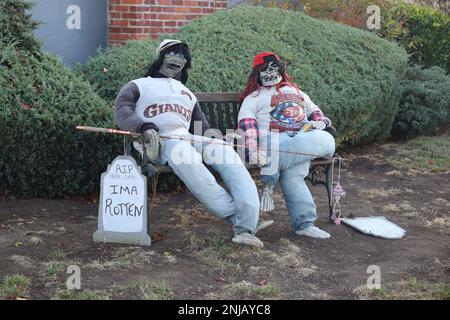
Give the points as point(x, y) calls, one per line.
point(167, 43)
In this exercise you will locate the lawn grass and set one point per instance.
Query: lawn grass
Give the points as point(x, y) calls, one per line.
point(85, 294)
point(424, 154)
point(15, 286)
point(410, 289)
point(151, 290)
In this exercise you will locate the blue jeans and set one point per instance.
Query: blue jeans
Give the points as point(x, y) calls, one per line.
point(239, 206)
point(292, 170)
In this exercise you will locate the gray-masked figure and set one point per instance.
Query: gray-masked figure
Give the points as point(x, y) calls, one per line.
point(162, 108)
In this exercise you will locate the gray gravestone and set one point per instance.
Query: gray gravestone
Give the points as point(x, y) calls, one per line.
point(122, 215)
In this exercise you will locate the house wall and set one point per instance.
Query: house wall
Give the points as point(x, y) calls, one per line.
point(76, 29)
point(73, 29)
point(140, 19)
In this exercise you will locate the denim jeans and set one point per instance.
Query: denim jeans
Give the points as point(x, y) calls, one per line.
point(240, 205)
point(292, 169)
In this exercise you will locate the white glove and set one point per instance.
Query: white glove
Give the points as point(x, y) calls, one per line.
point(267, 203)
point(318, 125)
point(152, 142)
point(259, 158)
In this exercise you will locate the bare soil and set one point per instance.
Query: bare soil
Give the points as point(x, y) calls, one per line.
point(192, 256)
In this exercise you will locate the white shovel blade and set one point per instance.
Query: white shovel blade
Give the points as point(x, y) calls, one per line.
point(376, 226)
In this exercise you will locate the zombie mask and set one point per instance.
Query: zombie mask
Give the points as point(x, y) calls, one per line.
point(270, 75)
point(173, 62)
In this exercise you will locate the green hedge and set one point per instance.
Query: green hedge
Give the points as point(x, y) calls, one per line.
point(109, 71)
point(17, 25)
point(425, 102)
point(42, 153)
point(353, 75)
point(41, 103)
point(423, 31)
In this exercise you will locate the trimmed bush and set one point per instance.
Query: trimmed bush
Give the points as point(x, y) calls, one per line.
point(41, 103)
point(16, 25)
point(353, 75)
point(423, 31)
point(114, 67)
point(425, 102)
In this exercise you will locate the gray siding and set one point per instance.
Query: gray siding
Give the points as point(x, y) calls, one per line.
point(73, 39)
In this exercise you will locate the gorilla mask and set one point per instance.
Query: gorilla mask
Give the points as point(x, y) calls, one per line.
point(173, 62)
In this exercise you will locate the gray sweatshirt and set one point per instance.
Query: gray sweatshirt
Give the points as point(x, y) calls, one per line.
point(129, 117)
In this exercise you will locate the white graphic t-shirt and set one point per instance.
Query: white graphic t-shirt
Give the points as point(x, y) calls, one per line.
point(286, 109)
point(167, 103)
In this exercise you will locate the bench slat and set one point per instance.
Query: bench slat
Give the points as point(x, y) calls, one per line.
point(212, 115)
point(235, 108)
point(216, 96)
point(220, 109)
point(228, 115)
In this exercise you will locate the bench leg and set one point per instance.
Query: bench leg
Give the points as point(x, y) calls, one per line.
point(329, 186)
point(153, 178)
point(127, 146)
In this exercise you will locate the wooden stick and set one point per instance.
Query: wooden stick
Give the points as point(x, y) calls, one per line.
point(105, 130)
point(128, 133)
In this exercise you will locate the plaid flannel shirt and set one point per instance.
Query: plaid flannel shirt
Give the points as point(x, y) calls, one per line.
point(250, 128)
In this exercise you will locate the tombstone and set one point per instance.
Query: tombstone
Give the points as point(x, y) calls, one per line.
point(122, 215)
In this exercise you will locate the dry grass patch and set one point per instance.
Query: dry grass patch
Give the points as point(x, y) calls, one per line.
point(192, 216)
point(395, 173)
point(256, 270)
point(369, 194)
point(423, 155)
point(411, 289)
point(35, 240)
point(123, 259)
point(151, 290)
point(85, 294)
point(289, 258)
point(440, 222)
point(39, 233)
point(436, 213)
point(214, 252)
point(404, 207)
point(170, 259)
point(440, 202)
point(22, 261)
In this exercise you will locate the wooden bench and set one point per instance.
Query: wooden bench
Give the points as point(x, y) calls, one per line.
point(221, 110)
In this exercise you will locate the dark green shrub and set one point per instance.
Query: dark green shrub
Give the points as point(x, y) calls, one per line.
point(16, 24)
point(41, 102)
point(425, 102)
point(423, 31)
point(114, 67)
point(353, 75)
